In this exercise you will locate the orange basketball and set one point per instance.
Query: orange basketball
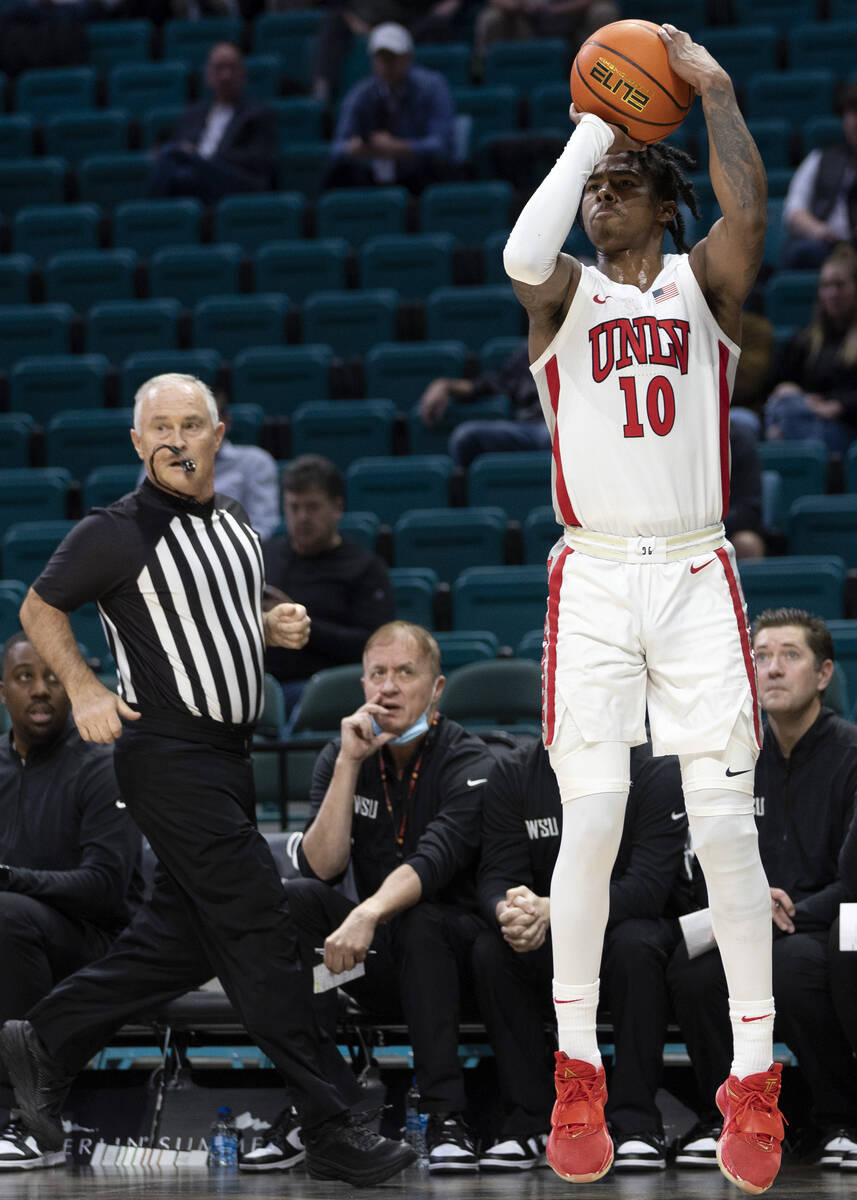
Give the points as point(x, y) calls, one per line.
point(622, 74)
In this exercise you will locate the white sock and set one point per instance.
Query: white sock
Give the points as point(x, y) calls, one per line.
point(752, 1036)
point(576, 1005)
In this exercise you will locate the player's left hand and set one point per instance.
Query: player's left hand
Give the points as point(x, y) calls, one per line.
point(287, 625)
point(688, 59)
point(349, 944)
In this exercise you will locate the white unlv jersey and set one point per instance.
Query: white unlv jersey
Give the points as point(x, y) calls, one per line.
point(635, 389)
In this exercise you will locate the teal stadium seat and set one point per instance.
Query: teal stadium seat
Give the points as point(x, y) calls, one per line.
point(791, 97)
point(531, 645)
point(773, 138)
point(773, 512)
point(45, 91)
point(191, 39)
point(458, 647)
point(31, 181)
point(540, 532)
point(138, 86)
point(391, 486)
point(509, 600)
point(473, 314)
point(16, 437)
point(15, 274)
point(81, 439)
point(114, 42)
point(301, 167)
point(775, 232)
point(76, 135)
point(450, 539)
point(246, 423)
point(16, 135)
point(361, 528)
point(410, 263)
point(282, 377)
point(850, 468)
point(813, 582)
point(824, 525)
point(106, 484)
point(299, 119)
point(782, 13)
point(85, 277)
point(12, 593)
point(451, 59)
point(742, 50)
point(518, 481)
point(820, 131)
point(549, 105)
point(262, 77)
point(525, 64)
point(491, 109)
point(292, 36)
point(496, 352)
point(828, 45)
point(844, 634)
point(402, 371)
point(343, 430)
point(360, 213)
point(301, 267)
point(27, 546)
point(251, 220)
point(148, 225)
point(434, 439)
point(271, 727)
point(413, 594)
point(233, 323)
point(45, 384)
point(505, 693)
point(144, 364)
point(468, 211)
point(109, 179)
point(801, 465)
point(118, 328)
point(328, 697)
point(190, 273)
point(27, 329)
point(686, 14)
point(158, 123)
point(790, 296)
point(350, 321)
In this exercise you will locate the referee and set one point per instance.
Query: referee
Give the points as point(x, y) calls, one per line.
point(176, 571)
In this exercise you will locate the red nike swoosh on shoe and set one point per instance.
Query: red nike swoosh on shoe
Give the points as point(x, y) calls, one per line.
point(694, 570)
point(600, 301)
point(762, 1018)
point(567, 1001)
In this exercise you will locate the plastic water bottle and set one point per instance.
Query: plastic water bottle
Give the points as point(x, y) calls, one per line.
point(223, 1140)
point(415, 1124)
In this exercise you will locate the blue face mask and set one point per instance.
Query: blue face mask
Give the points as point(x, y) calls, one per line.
point(416, 730)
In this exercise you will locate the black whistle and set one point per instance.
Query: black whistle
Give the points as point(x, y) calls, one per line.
point(186, 464)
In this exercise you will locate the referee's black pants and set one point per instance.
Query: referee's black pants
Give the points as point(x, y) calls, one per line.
point(218, 907)
point(418, 970)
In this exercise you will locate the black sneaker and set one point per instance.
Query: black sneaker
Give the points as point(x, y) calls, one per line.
point(282, 1147)
point(515, 1154)
point(698, 1148)
point(19, 1150)
point(450, 1145)
point(343, 1148)
point(40, 1084)
point(640, 1151)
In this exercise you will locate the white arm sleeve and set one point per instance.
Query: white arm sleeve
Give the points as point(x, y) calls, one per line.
point(544, 224)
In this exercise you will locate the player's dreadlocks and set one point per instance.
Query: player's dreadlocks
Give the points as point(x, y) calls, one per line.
point(664, 165)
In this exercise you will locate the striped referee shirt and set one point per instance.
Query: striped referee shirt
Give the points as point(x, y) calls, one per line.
point(179, 591)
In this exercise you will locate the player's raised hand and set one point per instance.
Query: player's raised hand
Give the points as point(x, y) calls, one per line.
point(688, 59)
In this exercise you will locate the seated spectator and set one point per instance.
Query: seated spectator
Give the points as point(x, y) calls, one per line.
point(821, 203)
point(247, 474)
point(805, 786)
point(517, 20)
point(816, 374)
point(743, 524)
point(222, 145)
point(397, 125)
point(396, 802)
point(513, 969)
point(345, 589)
point(70, 877)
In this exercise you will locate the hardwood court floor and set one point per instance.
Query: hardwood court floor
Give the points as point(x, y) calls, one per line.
point(112, 1183)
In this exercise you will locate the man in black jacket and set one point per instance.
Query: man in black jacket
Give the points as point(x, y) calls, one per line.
point(521, 825)
point(70, 878)
point(222, 145)
point(805, 788)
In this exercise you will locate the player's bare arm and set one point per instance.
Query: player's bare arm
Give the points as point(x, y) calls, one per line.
point(727, 261)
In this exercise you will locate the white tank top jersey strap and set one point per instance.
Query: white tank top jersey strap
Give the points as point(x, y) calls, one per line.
point(635, 390)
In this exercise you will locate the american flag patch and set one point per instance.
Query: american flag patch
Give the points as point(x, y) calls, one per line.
point(665, 293)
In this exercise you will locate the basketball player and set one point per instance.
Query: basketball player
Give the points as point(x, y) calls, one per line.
point(634, 360)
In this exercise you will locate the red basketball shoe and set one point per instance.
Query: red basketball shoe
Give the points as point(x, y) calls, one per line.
point(579, 1147)
point(750, 1147)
